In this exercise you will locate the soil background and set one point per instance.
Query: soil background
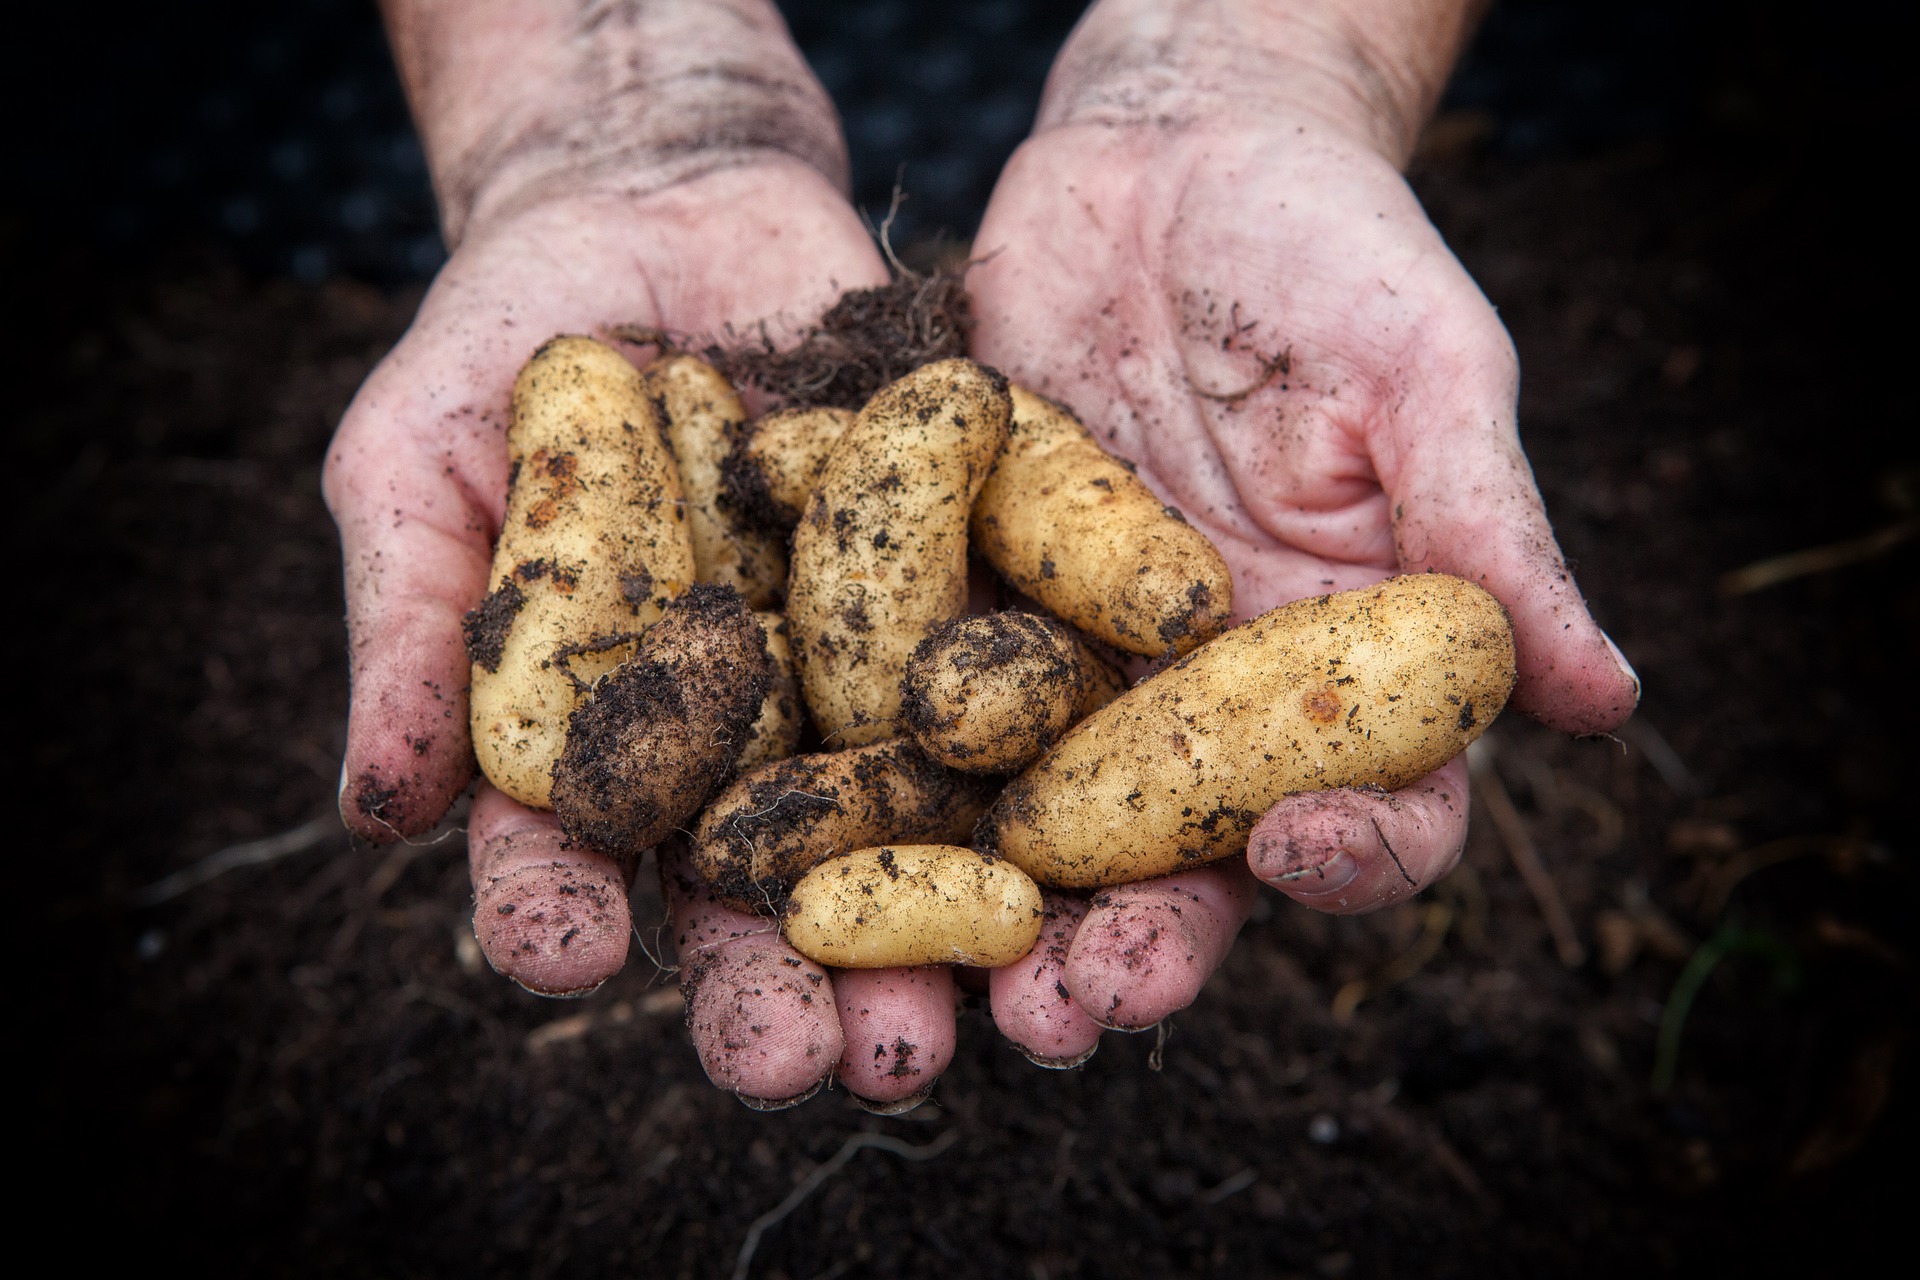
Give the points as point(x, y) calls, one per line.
point(302, 1066)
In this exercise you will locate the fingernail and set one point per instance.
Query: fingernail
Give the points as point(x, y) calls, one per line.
point(552, 993)
point(1331, 876)
point(898, 1107)
point(1625, 666)
point(779, 1104)
point(1057, 1064)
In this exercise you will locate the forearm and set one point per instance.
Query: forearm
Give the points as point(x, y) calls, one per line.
point(1372, 68)
point(520, 100)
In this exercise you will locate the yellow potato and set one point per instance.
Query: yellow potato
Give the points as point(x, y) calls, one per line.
point(911, 905)
point(881, 557)
point(776, 730)
point(989, 692)
point(703, 417)
point(594, 545)
point(1073, 527)
point(776, 823)
point(776, 462)
point(1370, 688)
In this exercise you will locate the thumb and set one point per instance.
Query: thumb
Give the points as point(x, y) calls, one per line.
point(1464, 502)
point(416, 548)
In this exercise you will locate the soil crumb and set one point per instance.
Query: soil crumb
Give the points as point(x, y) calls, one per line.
point(864, 341)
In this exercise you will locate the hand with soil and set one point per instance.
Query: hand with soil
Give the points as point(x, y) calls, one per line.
point(1208, 252)
point(674, 168)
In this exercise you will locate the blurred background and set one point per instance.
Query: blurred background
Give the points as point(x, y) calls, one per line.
point(278, 133)
point(1660, 1022)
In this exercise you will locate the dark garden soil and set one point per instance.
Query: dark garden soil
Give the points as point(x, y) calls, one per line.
point(302, 1066)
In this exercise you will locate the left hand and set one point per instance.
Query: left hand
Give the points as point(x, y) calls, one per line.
point(1243, 296)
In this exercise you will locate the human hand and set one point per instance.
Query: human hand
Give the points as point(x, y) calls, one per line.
point(674, 168)
point(1207, 250)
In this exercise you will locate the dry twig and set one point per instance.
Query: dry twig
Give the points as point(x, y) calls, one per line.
point(1438, 918)
point(308, 835)
point(1526, 860)
point(1775, 570)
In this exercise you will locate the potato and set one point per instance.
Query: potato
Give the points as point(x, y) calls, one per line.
point(773, 825)
point(1074, 528)
point(776, 462)
point(1370, 688)
point(659, 735)
point(702, 417)
point(913, 905)
point(988, 693)
point(594, 545)
point(881, 557)
point(775, 732)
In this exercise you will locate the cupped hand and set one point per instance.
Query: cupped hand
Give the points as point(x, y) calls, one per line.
point(417, 479)
point(1253, 308)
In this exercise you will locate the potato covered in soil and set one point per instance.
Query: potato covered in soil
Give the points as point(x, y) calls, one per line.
point(775, 732)
point(989, 692)
point(880, 558)
point(775, 824)
point(1074, 528)
point(656, 737)
point(1369, 688)
point(776, 463)
point(913, 905)
point(593, 546)
point(702, 417)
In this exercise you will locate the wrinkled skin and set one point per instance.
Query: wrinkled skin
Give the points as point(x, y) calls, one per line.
point(1256, 311)
point(417, 479)
point(1121, 251)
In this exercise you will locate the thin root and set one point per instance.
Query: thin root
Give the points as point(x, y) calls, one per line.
point(815, 1180)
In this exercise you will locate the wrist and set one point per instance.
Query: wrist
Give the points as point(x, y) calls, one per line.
point(519, 102)
point(1369, 70)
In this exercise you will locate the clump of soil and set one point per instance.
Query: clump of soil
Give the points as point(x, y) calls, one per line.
point(863, 342)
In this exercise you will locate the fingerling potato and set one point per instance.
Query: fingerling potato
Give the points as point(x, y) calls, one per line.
point(656, 737)
point(773, 825)
point(776, 463)
point(1073, 527)
point(703, 417)
point(881, 557)
point(913, 905)
point(1369, 688)
point(593, 546)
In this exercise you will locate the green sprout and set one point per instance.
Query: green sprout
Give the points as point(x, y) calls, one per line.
point(1727, 940)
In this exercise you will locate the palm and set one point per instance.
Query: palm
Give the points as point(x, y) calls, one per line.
point(417, 475)
point(1260, 316)
point(1247, 320)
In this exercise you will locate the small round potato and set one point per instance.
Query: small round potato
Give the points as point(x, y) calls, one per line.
point(776, 462)
point(776, 823)
point(913, 905)
point(655, 738)
point(880, 558)
point(989, 692)
point(1073, 527)
point(593, 546)
point(1369, 688)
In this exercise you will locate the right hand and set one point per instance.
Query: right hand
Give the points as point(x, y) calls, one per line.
point(1208, 249)
point(697, 189)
